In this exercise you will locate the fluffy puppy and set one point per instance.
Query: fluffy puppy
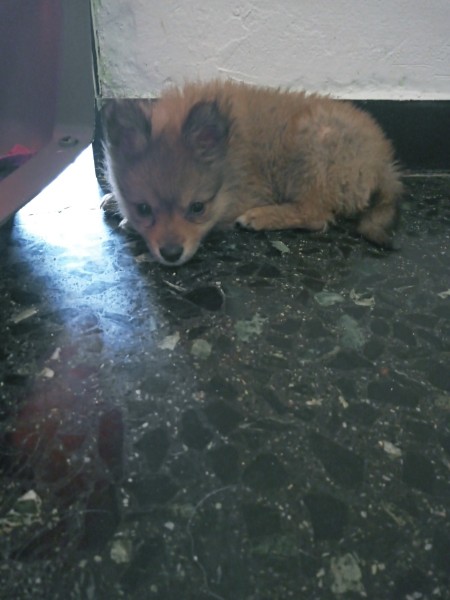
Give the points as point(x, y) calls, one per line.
point(214, 154)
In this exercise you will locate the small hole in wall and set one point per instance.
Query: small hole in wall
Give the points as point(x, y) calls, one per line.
point(68, 141)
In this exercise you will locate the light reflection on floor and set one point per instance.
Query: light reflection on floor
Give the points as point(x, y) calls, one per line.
point(63, 236)
point(71, 194)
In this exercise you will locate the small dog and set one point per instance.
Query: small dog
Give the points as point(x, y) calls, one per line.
point(219, 153)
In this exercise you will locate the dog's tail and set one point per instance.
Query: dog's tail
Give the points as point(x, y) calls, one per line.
point(379, 220)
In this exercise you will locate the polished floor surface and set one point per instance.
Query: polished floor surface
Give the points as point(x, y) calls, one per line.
point(270, 421)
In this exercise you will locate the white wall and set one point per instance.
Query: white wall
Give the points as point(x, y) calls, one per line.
point(349, 48)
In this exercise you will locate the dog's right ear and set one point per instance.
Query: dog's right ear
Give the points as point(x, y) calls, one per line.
point(128, 129)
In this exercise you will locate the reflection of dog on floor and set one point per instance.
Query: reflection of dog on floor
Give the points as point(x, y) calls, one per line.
point(220, 153)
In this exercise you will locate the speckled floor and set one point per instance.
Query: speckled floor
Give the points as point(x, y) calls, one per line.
point(269, 421)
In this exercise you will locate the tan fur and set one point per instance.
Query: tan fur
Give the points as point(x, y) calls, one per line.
point(263, 158)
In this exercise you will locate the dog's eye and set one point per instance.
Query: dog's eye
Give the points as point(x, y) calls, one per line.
point(144, 210)
point(196, 208)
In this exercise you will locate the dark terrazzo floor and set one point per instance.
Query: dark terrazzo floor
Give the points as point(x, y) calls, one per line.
point(269, 421)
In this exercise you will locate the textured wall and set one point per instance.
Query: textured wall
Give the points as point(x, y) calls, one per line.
point(349, 48)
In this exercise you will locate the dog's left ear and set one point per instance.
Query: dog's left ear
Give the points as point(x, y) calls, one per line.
point(206, 131)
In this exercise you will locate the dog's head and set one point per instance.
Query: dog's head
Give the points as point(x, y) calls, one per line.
point(167, 171)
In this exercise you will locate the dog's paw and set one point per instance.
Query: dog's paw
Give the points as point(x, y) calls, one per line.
point(109, 205)
point(111, 209)
point(125, 225)
point(250, 220)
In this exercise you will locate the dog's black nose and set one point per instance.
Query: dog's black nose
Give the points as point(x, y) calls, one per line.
point(171, 253)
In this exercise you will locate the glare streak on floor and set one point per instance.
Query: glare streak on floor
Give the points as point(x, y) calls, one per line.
point(76, 193)
point(268, 421)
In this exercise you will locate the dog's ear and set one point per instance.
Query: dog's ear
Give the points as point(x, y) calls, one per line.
point(128, 129)
point(205, 131)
